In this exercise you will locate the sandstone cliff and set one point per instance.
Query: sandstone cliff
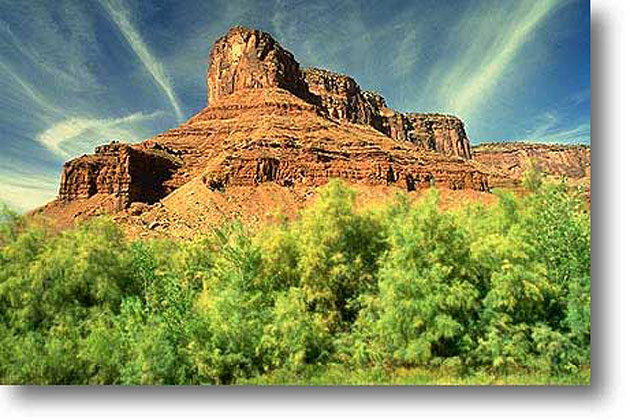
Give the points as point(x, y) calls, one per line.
point(130, 174)
point(341, 99)
point(247, 59)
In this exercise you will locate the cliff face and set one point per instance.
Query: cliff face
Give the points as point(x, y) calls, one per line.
point(341, 99)
point(248, 59)
point(127, 173)
point(441, 133)
point(279, 138)
point(268, 122)
point(507, 161)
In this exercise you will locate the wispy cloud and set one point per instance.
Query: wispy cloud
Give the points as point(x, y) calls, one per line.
point(329, 33)
point(548, 121)
point(581, 97)
point(553, 128)
point(24, 190)
point(576, 134)
point(120, 17)
point(79, 135)
point(78, 77)
point(27, 89)
point(490, 39)
point(408, 51)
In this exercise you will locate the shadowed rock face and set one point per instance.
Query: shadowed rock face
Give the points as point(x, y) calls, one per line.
point(341, 99)
point(441, 133)
point(128, 173)
point(269, 122)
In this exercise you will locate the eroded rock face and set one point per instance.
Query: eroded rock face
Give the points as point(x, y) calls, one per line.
point(341, 99)
point(299, 148)
point(118, 169)
point(442, 133)
point(508, 160)
point(250, 59)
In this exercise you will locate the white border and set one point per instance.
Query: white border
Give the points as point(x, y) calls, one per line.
point(607, 397)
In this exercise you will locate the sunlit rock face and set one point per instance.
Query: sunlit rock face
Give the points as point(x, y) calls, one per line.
point(250, 59)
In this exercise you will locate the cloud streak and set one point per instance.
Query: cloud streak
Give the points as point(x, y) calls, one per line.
point(30, 92)
point(487, 43)
point(22, 190)
point(120, 17)
point(75, 135)
point(78, 78)
point(483, 80)
point(555, 125)
point(575, 134)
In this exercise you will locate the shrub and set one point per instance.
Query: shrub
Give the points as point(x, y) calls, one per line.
point(337, 295)
point(338, 254)
point(427, 294)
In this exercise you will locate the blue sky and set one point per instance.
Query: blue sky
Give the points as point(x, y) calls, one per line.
point(75, 74)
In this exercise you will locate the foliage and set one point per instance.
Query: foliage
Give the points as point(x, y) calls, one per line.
point(402, 294)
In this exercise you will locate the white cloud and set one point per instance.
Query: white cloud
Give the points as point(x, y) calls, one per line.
point(578, 133)
point(487, 42)
point(71, 69)
point(29, 91)
point(549, 120)
point(78, 135)
point(23, 191)
point(552, 128)
point(120, 17)
point(408, 52)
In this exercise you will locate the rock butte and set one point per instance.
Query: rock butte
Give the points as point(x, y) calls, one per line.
point(270, 134)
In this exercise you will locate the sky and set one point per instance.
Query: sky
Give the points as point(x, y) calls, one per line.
point(78, 73)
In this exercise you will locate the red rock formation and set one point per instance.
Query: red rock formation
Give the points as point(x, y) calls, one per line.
point(441, 133)
point(268, 122)
point(508, 160)
point(298, 147)
point(248, 59)
point(118, 169)
point(341, 99)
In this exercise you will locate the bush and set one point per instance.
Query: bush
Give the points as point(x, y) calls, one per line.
point(338, 254)
point(338, 295)
point(427, 294)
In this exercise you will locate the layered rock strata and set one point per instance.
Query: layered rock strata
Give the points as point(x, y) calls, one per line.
point(506, 161)
point(130, 174)
point(341, 99)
